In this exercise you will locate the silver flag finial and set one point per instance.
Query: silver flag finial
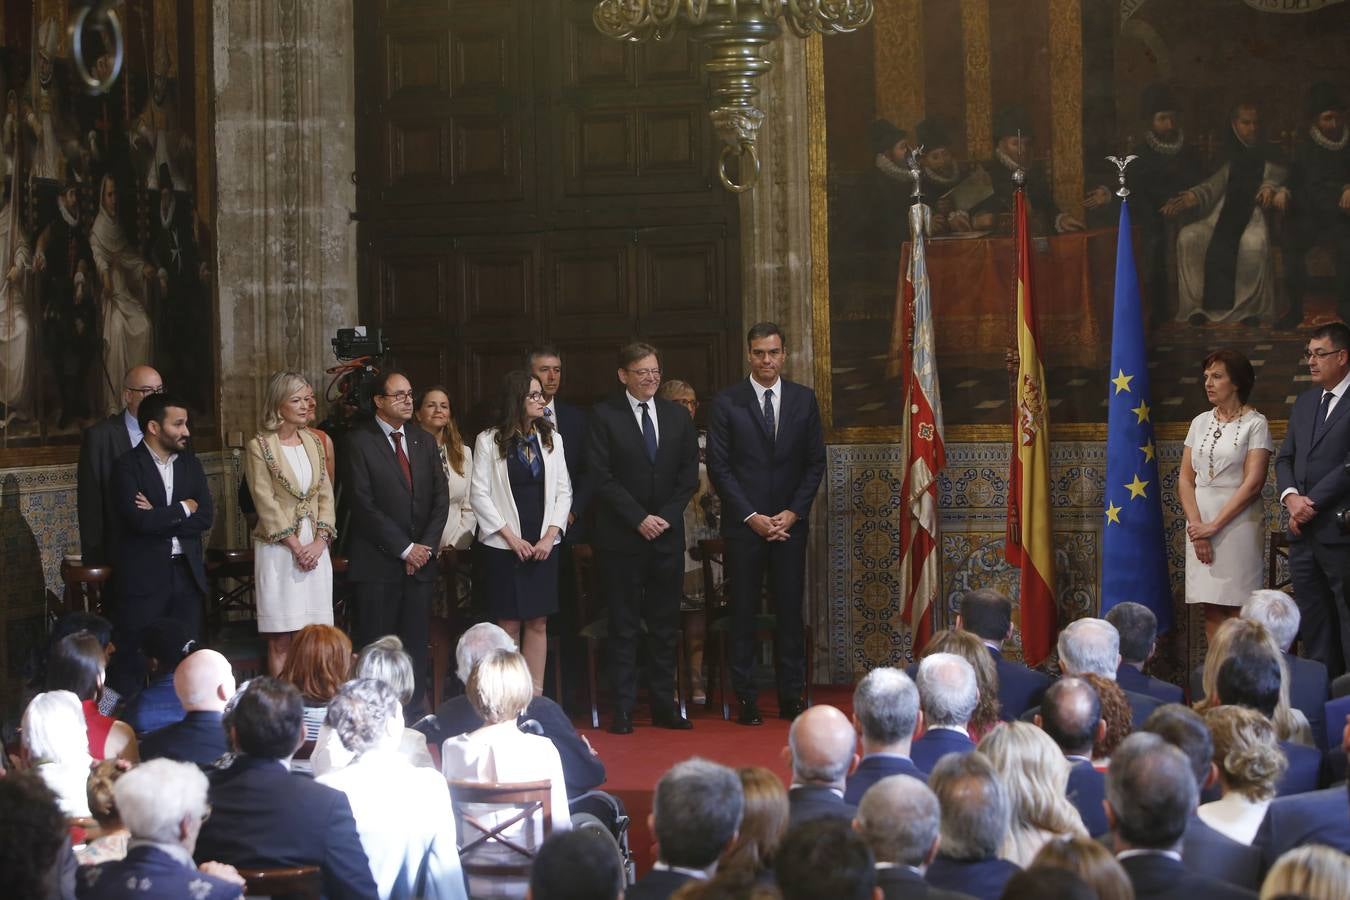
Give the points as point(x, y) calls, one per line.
point(915, 172)
point(1120, 164)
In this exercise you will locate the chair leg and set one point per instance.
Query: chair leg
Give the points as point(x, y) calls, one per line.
point(723, 675)
point(681, 670)
point(590, 675)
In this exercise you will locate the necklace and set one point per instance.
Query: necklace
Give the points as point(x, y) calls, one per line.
point(1215, 433)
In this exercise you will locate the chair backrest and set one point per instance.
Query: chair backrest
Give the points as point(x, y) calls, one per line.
point(500, 827)
point(291, 882)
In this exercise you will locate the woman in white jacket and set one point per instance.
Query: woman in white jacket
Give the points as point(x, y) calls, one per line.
point(521, 495)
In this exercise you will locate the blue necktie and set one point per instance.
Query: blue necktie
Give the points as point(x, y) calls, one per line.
point(768, 414)
point(648, 433)
point(1322, 414)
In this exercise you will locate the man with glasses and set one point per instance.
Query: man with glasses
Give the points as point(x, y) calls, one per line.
point(1313, 483)
point(642, 457)
point(103, 443)
point(393, 477)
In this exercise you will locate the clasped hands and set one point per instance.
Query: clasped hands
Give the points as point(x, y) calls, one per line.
point(417, 557)
point(1301, 511)
point(772, 528)
point(525, 551)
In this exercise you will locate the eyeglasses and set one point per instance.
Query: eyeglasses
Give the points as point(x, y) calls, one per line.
point(399, 396)
point(1320, 354)
point(145, 390)
point(645, 373)
point(692, 404)
point(535, 396)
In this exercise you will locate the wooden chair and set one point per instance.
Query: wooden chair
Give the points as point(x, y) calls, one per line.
point(500, 827)
point(293, 883)
point(84, 587)
point(235, 567)
point(1279, 550)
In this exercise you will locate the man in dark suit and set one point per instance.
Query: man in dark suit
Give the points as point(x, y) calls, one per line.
point(825, 858)
point(576, 864)
point(642, 462)
point(1319, 817)
point(1150, 795)
point(975, 820)
point(163, 504)
point(399, 502)
point(204, 683)
point(821, 743)
point(987, 614)
point(898, 818)
point(1314, 486)
point(102, 444)
point(1251, 678)
point(1309, 687)
point(1092, 646)
point(1138, 628)
point(766, 456)
point(263, 816)
point(948, 695)
point(1204, 850)
point(885, 711)
point(1071, 714)
point(696, 812)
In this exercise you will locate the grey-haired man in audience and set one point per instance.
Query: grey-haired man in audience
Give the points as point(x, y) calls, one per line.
point(899, 819)
point(696, 814)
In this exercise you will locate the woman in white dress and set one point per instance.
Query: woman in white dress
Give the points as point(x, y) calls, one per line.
point(288, 479)
point(1223, 470)
point(123, 275)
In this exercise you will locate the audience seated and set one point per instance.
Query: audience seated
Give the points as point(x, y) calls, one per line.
point(1250, 677)
point(1138, 629)
point(577, 865)
point(1319, 817)
point(582, 768)
point(1071, 715)
point(948, 695)
point(35, 854)
point(163, 804)
point(988, 615)
point(100, 628)
point(821, 742)
point(54, 744)
point(264, 816)
point(500, 688)
point(885, 712)
point(1036, 776)
point(1150, 795)
point(696, 811)
point(111, 842)
point(974, 651)
point(1203, 849)
point(1092, 647)
point(384, 660)
point(1313, 872)
point(1250, 763)
point(825, 858)
point(204, 683)
point(975, 820)
point(1236, 636)
point(764, 821)
point(77, 664)
point(402, 811)
point(1090, 861)
point(1117, 717)
point(898, 818)
point(319, 661)
point(164, 644)
point(1061, 884)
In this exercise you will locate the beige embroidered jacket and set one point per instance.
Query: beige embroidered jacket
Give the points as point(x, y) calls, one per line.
point(281, 508)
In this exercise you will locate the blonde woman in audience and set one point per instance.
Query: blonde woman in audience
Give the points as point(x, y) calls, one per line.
point(969, 647)
point(111, 842)
point(1037, 776)
point(433, 413)
point(1290, 724)
point(764, 820)
point(1314, 872)
point(55, 744)
point(319, 661)
point(1091, 862)
point(1250, 765)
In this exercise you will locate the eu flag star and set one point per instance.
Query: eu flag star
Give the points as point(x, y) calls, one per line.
point(1122, 381)
point(1136, 487)
point(1149, 450)
point(1113, 513)
point(1141, 411)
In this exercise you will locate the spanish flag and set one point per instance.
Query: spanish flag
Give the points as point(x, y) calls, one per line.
point(1029, 543)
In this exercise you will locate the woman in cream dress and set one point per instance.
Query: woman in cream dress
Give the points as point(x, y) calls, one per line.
point(288, 480)
point(434, 415)
point(1223, 470)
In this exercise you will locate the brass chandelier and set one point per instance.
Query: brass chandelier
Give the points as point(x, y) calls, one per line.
point(734, 31)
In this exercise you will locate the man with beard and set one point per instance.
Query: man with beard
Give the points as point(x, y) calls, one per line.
point(1012, 151)
point(1320, 183)
point(1226, 273)
point(65, 268)
point(941, 174)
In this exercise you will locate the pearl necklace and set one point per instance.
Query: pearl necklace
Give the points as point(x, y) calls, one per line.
point(1215, 433)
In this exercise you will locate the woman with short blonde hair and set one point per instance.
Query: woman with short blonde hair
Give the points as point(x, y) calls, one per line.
point(1250, 764)
point(1037, 777)
point(1314, 871)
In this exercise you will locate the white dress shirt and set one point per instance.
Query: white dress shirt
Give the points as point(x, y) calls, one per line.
point(777, 401)
point(1336, 394)
point(651, 411)
point(133, 427)
point(165, 467)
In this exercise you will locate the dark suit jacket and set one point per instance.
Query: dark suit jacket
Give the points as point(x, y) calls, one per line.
point(1321, 817)
point(1155, 876)
point(1309, 690)
point(103, 443)
point(935, 744)
point(1019, 688)
point(982, 878)
point(627, 486)
point(1316, 470)
point(145, 546)
point(903, 883)
point(199, 738)
point(168, 877)
point(874, 768)
point(581, 770)
point(1131, 679)
point(1306, 772)
point(754, 472)
point(264, 816)
point(1209, 852)
point(1086, 791)
point(809, 802)
point(572, 426)
point(656, 884)
point(385, 515)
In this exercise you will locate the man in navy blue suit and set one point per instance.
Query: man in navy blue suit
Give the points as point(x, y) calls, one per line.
point(898, 818)
point(885, 711)
point(820, 743)
point(1138, 628)
point(976, 814)
point(204, 683)
point(766, 456)
point(163, 504)
point(1092, 646)
point(1071, 714)
point(1251, 678)
point(948, 694)
point(1321, 817)
point(1314, 485)
point(696, 812)
point(987, 614)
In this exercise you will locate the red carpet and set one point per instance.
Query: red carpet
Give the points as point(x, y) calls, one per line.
point(635, 762)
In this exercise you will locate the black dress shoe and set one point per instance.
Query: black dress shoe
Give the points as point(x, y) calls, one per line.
point(749, 714)
point(672, 720)
point(622, 724)
point(790, 709)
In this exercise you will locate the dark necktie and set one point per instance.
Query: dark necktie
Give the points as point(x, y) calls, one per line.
point(768, 415)
point(648, 432)
point(402, 457)
point(1322, 413)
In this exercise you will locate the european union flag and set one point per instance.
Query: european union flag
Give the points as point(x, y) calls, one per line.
point(1134, 552)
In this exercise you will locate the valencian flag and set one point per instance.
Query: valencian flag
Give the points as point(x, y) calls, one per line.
point(1134, 551)
point(925, 455)
point(1029, 543)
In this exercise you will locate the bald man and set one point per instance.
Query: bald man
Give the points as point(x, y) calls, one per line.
point(823, 748)
point(204, 683)
point(1071, 714)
